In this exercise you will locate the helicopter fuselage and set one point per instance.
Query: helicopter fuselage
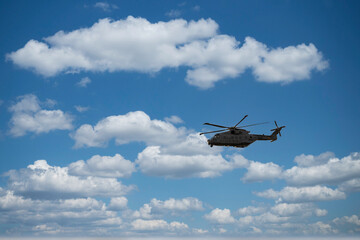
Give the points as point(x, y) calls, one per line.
point(238, 138)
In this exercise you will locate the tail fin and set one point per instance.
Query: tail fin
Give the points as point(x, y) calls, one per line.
point(274, 136)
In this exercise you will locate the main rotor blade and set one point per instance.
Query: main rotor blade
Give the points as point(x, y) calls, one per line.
point(215, 125)
point(213, 131)
point(240, 121)
point(253, 124)
point(276, 124)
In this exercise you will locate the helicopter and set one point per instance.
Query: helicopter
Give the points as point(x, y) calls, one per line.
point(238, 137)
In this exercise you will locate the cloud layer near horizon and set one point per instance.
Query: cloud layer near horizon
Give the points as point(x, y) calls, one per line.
point(135, 44)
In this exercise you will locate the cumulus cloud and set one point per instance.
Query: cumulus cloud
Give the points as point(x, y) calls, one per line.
point(133, 126)
point(171, 152)
point(303, 194)
point(311, 160)
point(354, 219)
point(152, 161)
point(324, 169)
point(118, 203)
point(154, 225)
point(28, 116)
point(38, 212)
point(135, 44)
point(103, 166)
point(40, 180)
point(352, 185)
point(250, 210)
point(171, 206)
point(220, 216)
point(257, 172)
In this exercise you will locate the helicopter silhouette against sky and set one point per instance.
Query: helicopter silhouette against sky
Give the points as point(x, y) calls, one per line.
point(239, 137)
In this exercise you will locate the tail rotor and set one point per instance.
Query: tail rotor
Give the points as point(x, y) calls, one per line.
point(277, 130)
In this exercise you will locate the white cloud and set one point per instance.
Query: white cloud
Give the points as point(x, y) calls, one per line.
point(320, 228)
point(296, 209)
point(311, 160)
point(348, 220)
point(173, 13)
point(250, 210)
point(81, 108)
point(174, 119)
point(257, 172)
point(152, 161)
point(289, 64)
point(66, 214)
point(134, 126)
point(269, 217)
point(199, 231)
point(190, 145)
point(320, 212)
point(105, 6)
point(220, 216)
point(352, 185)
point(118, 203)
point(154, 225)
point(143, 212)
point(41, 180)
point(84, 82)
point(303, 194)
point(326, 170)
point(103, 166)
point(172, 204)
point(138, 45)
point(29, 117)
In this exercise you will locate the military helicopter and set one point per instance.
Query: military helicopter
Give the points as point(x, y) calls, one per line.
point(238, 137)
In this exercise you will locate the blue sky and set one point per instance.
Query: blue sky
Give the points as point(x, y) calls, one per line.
point(102, 104)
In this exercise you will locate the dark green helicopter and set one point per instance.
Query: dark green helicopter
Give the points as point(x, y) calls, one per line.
point(238, 137)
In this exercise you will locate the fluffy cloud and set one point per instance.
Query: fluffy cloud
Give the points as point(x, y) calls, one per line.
point(103, 166)
point(311, 160)
point(184, 204)
point(118, 203)
point(250, 210)
point(173, 152)
point(29, 117)
point(138, 45)
point(297, 209)
point(38, 212)
point(352, 185)
point(324, 169)
point(348, 220)
point(154, 225)
point(303, 194)
point(41, 180)
point(133, 126)
point(152, 161)
point(220, 216)
point(258, 171)
point(173, 206)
